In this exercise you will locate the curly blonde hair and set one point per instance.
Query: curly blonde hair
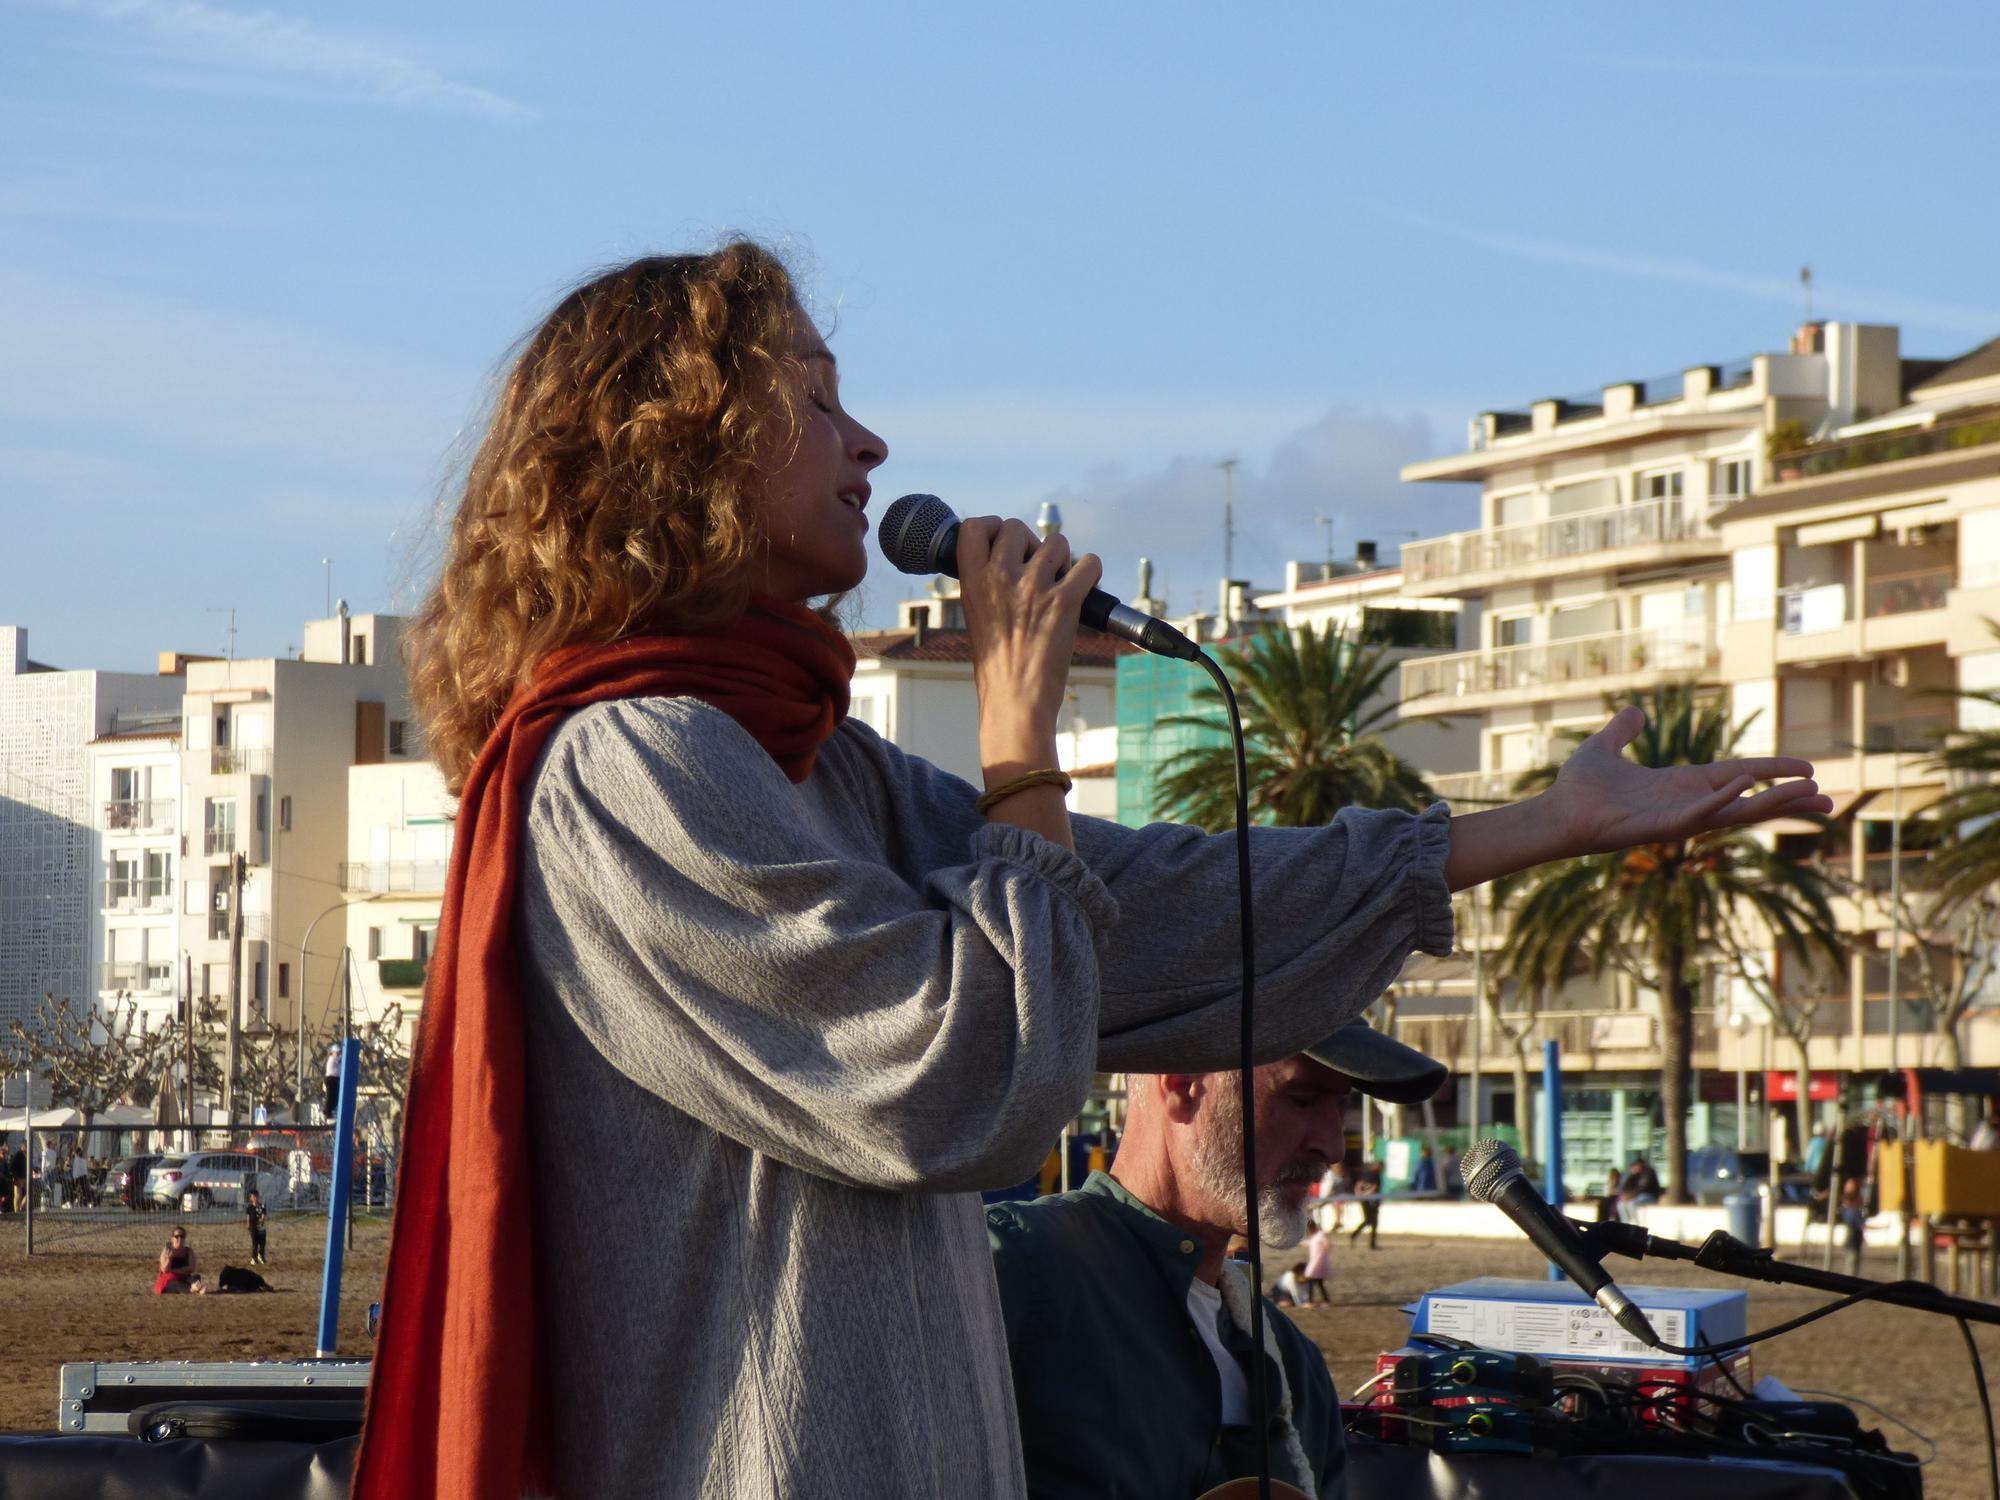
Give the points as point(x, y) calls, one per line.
point(617, 491)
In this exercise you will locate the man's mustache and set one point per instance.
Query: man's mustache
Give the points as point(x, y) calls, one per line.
point(1302, 1169)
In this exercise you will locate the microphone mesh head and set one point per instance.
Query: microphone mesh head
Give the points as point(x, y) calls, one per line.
point(1486, 1164)
point(909, 532)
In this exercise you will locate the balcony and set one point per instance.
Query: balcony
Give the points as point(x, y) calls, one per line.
point(1585, 665)
point(393, 877)
point(1468, 789)
point(1912, 733)
point(1588, 1038)
point(135, 895)
point(139, 815)
point(1905, 593)
point(256, 927)
point(139, 976)
point(1975, 431)
point(1469, 560)
point(218, 841)
point(402, 973)
point(1880, 872)
point(239, 760)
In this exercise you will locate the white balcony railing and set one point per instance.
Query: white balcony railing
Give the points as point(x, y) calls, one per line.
point(135, 895)
point(1469, 789)
point(384, 877)
point(141, 976)
point(1510, 548)
point(237, 760)
point(1565, 666)
point(139, 815)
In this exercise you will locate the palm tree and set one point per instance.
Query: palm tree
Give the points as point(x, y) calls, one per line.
point(1657, 911)
point(1312, 702)
point(1967, 866)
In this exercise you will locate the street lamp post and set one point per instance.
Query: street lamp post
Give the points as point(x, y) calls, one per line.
point(299, 1016)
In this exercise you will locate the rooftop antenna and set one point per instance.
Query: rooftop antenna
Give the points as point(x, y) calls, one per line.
point(1228, 467)
point(327, 563)
point(217, 609)
point(1805, 281)
point(1325, 524)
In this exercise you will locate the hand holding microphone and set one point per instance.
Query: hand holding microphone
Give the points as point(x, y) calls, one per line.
point(919, 534)
point(1022, 598)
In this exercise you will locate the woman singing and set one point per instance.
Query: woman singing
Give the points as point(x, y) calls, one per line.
point(747, 1003)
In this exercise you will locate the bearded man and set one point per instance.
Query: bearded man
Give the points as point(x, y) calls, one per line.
point(1127, 1329)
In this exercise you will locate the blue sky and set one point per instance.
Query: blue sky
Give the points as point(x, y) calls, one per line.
point(257, 266)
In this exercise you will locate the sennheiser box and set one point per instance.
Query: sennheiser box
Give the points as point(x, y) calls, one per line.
point(1556, 1320)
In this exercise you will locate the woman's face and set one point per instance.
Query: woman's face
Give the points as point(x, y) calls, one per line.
point(813, 503)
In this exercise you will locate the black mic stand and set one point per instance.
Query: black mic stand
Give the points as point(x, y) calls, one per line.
point(1723, 1252)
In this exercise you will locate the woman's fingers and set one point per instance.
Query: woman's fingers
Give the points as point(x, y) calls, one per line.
point(1765, 767)
point(1082, 577)
point(975, 543)
point(1791, 798)
point(1049, 559)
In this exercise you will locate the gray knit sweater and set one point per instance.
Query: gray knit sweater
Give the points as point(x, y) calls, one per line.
point(780, 1035)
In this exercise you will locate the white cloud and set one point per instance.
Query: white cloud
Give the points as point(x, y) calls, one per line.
point(258, 42)
point(1294, 466)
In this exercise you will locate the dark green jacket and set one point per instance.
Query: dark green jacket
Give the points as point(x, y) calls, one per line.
point(1117, 1393)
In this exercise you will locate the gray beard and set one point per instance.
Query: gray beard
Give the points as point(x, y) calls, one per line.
point(1216, 1163)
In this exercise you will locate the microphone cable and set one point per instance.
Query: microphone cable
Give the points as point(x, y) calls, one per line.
point(1260, 1398)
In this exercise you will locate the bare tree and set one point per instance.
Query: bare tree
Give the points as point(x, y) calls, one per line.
point(90, 1058)
point(1791, 1006)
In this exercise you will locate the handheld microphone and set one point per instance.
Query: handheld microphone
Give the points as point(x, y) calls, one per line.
point(919, 534)
point(1493, 1174)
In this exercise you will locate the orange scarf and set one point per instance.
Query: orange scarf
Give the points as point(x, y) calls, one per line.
point(456, 1404)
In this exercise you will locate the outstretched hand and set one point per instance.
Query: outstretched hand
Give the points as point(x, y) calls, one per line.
point(1604, 801)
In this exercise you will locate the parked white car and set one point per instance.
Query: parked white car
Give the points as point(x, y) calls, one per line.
point(205, 1177)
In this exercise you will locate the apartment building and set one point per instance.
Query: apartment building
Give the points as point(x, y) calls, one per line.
point(1599, 568)
point(399, 828)
point(1865, 573)
point(135, 778)
point(265, 753)
point(913, 686)
point(51, 881)
point(1371, 605)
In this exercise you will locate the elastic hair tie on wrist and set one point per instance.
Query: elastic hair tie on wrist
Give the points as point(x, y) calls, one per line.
point(1001, 793)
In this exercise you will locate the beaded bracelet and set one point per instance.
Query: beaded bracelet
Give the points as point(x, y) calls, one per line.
point(1001, 793)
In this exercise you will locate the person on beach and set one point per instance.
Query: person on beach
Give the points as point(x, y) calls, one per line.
point(177, 1264)
point(697, 912)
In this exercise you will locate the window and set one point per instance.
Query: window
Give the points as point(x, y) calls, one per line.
point(374, 942)
point(284, 981)
point(257, 983)
point(284, 815)
point(398, 737)
point(1730, 479)
point(1660, 484)
point(263, 812)
point(1514, 630)
point(360, 649)
point(219, 826)
point(420, 944)
point(222, 731)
